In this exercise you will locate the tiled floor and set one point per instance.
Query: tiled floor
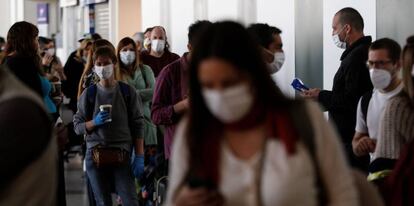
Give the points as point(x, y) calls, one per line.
point(76, 194)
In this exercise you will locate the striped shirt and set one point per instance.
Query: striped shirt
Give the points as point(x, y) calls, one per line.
point(397, 127)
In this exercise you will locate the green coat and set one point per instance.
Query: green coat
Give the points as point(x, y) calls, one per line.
point(145, 89)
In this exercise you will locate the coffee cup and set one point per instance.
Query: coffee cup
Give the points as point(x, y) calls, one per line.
point(56, 89)
point(107, 108)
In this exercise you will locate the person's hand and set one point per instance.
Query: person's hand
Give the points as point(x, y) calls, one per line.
point(101, 118)
point(47, 60)
point(182, 106)
point(58, 67)
point(311, 93)
point(138, 166)
point(58, 100)
point(198, 196)
point(364, 146)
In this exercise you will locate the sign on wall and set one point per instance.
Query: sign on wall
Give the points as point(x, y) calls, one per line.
point(43, 18)
point(42, 13)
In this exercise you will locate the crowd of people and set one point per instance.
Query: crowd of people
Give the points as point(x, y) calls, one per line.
point(213, 120)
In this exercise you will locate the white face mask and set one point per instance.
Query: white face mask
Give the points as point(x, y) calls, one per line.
point(147, 43)
point(229, 105)
point(337, 41)
point(127, 57)
point(157, 45)
point(277, 63)
point(104, 72)
point(50, 51)
point(380, 78)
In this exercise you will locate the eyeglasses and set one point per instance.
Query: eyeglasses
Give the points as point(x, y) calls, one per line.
point(378, 64)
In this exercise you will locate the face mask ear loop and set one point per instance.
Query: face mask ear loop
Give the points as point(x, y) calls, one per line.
point(346, 34)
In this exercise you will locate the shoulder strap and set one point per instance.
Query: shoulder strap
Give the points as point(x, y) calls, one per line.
point(90, 101)
point(366, 98)
point(126, 93)
point(304, 129)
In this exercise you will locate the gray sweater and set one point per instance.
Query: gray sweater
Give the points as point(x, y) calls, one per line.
point(396, 129)
point(121, 131)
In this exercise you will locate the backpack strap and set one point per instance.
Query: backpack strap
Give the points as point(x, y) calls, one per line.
point(90, 101)
point(304, 129)
point(126, 93)
point(365, 99)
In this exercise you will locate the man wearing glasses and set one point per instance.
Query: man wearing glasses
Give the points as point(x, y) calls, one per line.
point(384, 67)
point(351, 80)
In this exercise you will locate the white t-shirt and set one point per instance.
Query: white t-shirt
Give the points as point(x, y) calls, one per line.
point(286, 179)
point(375, 112)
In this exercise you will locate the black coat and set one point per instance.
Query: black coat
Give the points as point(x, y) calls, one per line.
point(26, 70)
point(73, 70)
point(350, 83)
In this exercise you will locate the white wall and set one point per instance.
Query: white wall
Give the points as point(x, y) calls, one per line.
point(151, 13)
point(280, 13)
point(222, 10)
point(30, 11)
point(5, 13)
point(182, 15)
point(332, 54)
point(184, 12)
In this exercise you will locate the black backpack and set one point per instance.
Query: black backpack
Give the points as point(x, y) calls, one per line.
point(365, 99)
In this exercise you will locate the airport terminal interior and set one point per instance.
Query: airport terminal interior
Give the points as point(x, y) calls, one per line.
point(206, 102)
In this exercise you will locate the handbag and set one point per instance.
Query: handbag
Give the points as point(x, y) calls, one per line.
point(109, 156)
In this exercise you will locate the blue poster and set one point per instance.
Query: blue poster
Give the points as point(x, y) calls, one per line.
point(42, 13)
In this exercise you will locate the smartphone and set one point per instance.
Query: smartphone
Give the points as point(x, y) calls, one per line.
point(298, 85)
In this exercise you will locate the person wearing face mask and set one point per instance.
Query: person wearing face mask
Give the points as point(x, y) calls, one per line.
point(52, 65)
point(89, 77)
point(158, 56)
point(351, 80)
point(138, 38)
point(397, 132)
point(170, 100)
point(236, 145)
point(141, 78)
point(111, 136)
point(384, 66)
point(271, 43)
point(147, 39)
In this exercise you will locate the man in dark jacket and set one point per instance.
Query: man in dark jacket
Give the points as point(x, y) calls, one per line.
point(351, 80)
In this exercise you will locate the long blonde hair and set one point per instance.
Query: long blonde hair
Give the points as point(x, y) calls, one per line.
point(408, 63)
point(84, 44)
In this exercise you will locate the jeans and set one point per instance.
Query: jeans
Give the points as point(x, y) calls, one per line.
point(100, 180)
